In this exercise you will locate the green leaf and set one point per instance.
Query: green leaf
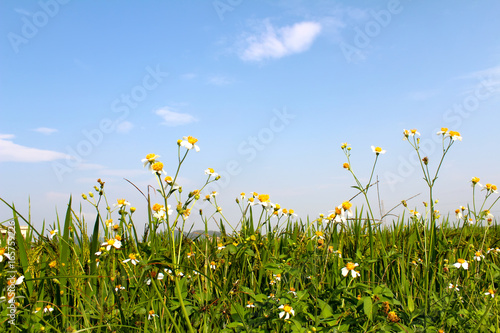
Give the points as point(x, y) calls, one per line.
point(367, 306)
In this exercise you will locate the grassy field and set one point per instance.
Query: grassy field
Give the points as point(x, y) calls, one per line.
point(267, 272)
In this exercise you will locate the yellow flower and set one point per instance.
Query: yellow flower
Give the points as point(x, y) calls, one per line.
point(150, 159)
point(453, 135)
point(378, 150)
point(350, 268)
point(263, 198)
point(53, 264)
point(112, 243)
point(287, 311)
point(461, 263)
point(478, 256)
point(392, 317)
point(412, 132)
point(151, 314)
point(132, 258)
point(443, 131)
point(157, 167)
point(3, 254)
point(52, 233)
point(319, 234)
point(121, 203)
point(211, 172)
point(188, 142)
point(346, 166)
point(490, 292)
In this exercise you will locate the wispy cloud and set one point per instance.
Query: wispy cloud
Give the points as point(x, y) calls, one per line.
point(45, 130)
point(171, 118)
point(188, 76)
point(279, 42)
point(124, 127)
point(12, 152)
point(489, 78)
point(219, 80)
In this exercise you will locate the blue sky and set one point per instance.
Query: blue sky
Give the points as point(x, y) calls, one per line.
point(270, 89)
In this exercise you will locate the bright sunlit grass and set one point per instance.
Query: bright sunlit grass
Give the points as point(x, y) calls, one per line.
point(344, 271)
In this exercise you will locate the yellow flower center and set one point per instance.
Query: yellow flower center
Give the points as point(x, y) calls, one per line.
point(251, 199)
point(263, 198)
point(287, 308)
point(158, 166)
point(285, 211)
point(346, 205)
point(278, 275)
point(457, 211)
point(212, 263)
point(53, 264)
point(454, 133)
point(211, 170)
point(345, 165)
point(292, 289)
point(152, 312)
point(413, 131)
point(319, 233)
point(111, 241)
point(493, 187)
point(338, 211)
point(444, 129)
point(118, 237)
point(168, 179)
point(157, 207)
point(350, 266)
point(475, 180)
point(491, 291)
point(291, 211)
point(2, 251)
point(150, 157)
point(378, 149)
point(192, 140)
point(461, 261)
point(488, 186)
point(120, 202)
point(132, 256)
point(478, 253)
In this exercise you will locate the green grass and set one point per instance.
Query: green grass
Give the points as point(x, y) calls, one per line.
point(273, 273)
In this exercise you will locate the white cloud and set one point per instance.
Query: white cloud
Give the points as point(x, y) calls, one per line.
point(45, 130)
point(172, 118)
point(277, 43)
point(11, 152)
point(124, 127)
